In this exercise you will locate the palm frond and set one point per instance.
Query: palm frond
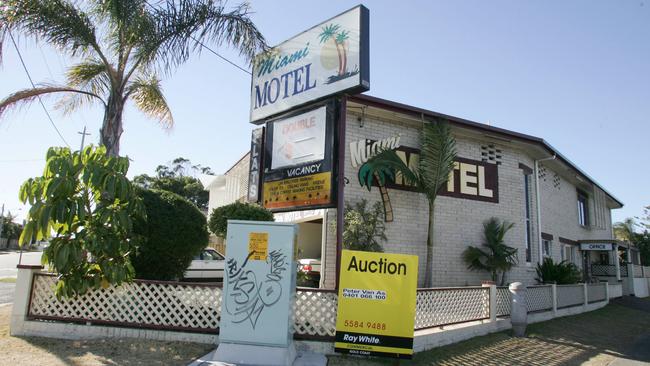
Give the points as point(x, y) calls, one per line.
point(27, 96)
point(58, 22)
point(180, 26)
point(436, 157)
point(385, 164)
point(148, 97)
point(91, 74)
point(476, 259)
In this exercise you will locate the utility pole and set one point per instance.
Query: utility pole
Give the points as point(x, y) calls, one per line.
point(83, 137)
point(2, 221)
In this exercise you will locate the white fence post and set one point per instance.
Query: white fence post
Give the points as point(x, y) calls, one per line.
point(493, 303)
point(607, 292)
point(585, 290)
point(554, 295)
point(518, 310)
point(23, 290)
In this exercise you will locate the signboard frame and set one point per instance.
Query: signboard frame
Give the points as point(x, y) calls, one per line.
point(328, 162)
point(596, 246)
point(376, 304)
point(363, 74)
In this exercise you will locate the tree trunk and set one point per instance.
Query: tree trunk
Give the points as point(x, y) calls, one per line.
point(111, 130)
point(385, 199)
point(428, 275)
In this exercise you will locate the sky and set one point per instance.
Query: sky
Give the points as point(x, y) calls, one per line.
point(574, 73)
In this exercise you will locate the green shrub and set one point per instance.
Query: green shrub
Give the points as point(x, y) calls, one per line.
point(175, 231)
point(560, 273)
point(364, 227)
point(236, 211)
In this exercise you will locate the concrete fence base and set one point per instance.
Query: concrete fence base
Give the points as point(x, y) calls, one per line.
point(425, 339)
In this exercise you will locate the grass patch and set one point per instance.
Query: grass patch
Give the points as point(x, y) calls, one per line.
point(8, 279)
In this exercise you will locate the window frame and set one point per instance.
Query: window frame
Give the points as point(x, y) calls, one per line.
point(547, 248)
point(527, 217)
point(583, 208)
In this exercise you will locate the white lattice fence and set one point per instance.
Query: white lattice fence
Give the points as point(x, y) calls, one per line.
point(603, 270)
point(442, 306)
point(596, 292)
point(570, 295)
point(315, 313)
point(147, 304)
point(539, 298)
point(504, 301)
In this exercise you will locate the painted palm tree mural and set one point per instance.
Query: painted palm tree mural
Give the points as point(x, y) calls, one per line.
point(334, 52)
point(436, 163)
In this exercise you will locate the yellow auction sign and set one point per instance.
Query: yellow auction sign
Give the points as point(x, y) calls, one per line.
point(376, 304)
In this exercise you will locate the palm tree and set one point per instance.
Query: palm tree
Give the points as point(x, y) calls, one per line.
point(436, 163)
point(497, 258)
point(625, 230)
point(123, 45)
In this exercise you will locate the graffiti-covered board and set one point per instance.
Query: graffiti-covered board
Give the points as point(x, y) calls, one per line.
point(259, 283)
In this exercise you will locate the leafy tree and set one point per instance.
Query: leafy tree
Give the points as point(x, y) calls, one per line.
point(178, 177)
point(10, 230)
point(494, 255)
point(561, 273)
point(86, 202)
point(124, 45)
point(236, 211)
point(436, 163)
point(364, 227)
point(174, 232)
point(626, 231)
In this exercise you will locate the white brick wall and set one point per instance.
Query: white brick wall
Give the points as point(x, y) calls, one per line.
point(458, 222)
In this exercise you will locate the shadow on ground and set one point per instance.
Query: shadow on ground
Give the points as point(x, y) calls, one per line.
point(126, 351)
point(596, 338)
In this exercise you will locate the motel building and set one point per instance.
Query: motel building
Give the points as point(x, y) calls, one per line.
point(557, 209)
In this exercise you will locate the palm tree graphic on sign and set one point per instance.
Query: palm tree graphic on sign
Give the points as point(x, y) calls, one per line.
point(334, 52)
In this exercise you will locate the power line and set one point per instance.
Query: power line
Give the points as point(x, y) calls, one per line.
point(221, 57)
point(20, 56)
point(210, 49)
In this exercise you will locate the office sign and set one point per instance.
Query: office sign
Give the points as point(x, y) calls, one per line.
point(376, 304)
point(327, 59)
point(298, 156)
point(259, 284)
point(255, 165)
point(596, 246)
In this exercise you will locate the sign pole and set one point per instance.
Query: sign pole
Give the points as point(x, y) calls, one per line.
point(340, 198)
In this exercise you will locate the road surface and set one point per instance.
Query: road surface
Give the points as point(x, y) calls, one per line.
point(8, 262)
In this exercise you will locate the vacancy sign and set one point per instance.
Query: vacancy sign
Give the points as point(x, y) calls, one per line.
point(376, 304)
point(327, 59)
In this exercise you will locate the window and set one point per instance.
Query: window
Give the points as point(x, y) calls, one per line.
point(583, 209)
point(527, 221)
point(546, 247)
point(567, 253)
